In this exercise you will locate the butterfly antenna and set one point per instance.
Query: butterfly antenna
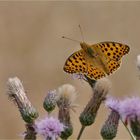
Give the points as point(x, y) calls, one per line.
point(70, 39)
point(81, 32)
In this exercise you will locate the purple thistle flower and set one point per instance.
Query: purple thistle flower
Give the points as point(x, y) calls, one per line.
point(50, 128)
point(112, 103)
point(129, 108)
point(129, 111)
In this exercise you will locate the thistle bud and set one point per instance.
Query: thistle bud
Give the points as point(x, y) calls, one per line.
point(50, 101)
point(109, 129)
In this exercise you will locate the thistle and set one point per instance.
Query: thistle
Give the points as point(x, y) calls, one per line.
point(66, 97)
point(129, 110)
point(110, 127)
point(100, 90)
point(50, 101)
point(17, 94)
point(50, 128)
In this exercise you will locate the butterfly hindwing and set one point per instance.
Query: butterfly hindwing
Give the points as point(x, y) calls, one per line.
point(113, 50)
point(76, 63)
point(95, 72)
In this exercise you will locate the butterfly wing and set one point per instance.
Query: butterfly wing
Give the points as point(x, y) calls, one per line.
point(95, 72)
point(113, 50)
point(113, 66)
point(76, 63)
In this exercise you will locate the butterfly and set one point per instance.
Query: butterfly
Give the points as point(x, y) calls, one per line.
point(96, 61)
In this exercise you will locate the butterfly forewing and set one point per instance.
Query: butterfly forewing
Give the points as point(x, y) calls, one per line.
point(76, 63)
point(113, 50)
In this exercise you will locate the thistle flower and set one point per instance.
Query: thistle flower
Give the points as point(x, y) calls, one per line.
point(49, 128)
point(17, 93)
point(129, 110)
point(50, 101)
point(66, 97)
point(112, 103)
point(110, 127)
point(100, 91)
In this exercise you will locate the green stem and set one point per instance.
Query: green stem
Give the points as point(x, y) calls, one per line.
point(30, 132)
point(80, 133)
point(132, 136)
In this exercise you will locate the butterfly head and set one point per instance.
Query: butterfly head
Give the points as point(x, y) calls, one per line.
point(84, 45)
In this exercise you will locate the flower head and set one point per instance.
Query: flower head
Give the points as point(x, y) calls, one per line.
point(100, 90)
point(102, 86)
point(66, 95)
point(112, 103)
point(17, 94)
point(50, 101)
point(109, 129)
point(50, 128)
point(129, 108)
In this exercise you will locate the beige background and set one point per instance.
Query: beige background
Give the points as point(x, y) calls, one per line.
point(31, 48)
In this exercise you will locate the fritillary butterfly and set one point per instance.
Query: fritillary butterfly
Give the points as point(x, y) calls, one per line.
point(96, 61)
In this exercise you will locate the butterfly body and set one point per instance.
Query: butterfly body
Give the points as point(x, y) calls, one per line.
point(94, 56)
point(96, 61)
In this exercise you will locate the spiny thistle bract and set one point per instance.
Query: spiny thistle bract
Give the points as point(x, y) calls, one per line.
point(109, 129)
point(50, 101)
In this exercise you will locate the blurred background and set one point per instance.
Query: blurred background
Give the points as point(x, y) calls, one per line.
point(32, 49)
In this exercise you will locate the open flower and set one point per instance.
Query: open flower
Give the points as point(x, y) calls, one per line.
point(50, 128)
point(129, 108)
point(112, 103)
point(129, 111)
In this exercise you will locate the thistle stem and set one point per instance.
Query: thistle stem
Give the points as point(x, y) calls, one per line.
point(80, 133)
point(130, 133)
point(30, 132)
